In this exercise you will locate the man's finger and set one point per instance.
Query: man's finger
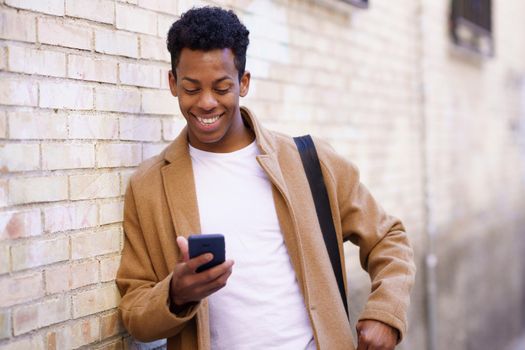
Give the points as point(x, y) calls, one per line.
point(220, 280)
point(213, 273)
point(182, 242)
point(216, 284)
point(194, 263)
point(361, 341)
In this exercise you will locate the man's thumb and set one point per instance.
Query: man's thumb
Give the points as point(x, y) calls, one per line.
point(182, 242)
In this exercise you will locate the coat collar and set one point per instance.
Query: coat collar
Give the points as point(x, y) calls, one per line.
point(177, 156)
point(264, 139)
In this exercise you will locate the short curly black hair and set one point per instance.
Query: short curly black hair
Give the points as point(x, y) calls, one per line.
point(209, 28)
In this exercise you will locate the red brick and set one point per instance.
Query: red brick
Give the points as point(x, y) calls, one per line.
point(20, 224)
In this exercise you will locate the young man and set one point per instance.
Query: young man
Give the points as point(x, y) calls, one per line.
point(226, 174)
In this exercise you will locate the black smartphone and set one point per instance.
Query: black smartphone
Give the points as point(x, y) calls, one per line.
point(207, 243)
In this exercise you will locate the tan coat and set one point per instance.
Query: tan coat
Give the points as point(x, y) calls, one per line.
point(161, 203)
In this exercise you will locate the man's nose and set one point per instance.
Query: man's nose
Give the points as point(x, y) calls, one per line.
point(207, 101)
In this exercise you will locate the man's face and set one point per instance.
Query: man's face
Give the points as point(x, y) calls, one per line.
point(208, 89)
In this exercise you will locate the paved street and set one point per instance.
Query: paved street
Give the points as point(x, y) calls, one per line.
point(519, 344)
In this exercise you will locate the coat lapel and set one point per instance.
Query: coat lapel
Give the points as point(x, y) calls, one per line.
point(269, 161)
point(285, 213)
point(179, 186)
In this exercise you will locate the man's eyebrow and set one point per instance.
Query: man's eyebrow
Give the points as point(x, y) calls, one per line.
point(223, 78)
point(195, 81)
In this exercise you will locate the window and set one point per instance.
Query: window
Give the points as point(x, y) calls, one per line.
point(358, 3)
point(471, 25)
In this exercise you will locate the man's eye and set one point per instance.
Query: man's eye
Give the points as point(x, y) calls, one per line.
point(191, 91)
point(222, 91)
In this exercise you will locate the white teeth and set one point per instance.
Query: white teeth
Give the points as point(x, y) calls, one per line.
point(208, 121)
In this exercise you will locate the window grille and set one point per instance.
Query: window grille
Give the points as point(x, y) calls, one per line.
point(471, 25)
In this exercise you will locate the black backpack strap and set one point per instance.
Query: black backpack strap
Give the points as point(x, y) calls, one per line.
point(312, 168)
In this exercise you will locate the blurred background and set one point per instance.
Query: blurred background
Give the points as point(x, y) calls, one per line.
point(427, 97)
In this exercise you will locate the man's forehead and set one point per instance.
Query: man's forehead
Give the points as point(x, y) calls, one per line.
point(199, 62)
point(225, 55)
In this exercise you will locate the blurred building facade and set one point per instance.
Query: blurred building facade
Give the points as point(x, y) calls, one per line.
point(437, 130)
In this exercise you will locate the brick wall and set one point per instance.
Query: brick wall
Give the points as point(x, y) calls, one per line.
point(84, 99)
point(475, 122)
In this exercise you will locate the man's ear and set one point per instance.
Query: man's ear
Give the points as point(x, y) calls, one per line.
point(173, 83)
point(244, 84)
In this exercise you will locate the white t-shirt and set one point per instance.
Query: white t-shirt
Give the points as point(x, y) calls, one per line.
point(261, 307)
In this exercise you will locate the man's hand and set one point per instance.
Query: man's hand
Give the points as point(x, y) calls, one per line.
point(188, 286)
point(375, 335)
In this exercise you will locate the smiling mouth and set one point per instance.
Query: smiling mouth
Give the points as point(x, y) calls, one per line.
point(206, 121)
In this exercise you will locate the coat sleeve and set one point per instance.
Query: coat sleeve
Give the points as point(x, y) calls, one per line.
point(145, 299)
point(384, 249)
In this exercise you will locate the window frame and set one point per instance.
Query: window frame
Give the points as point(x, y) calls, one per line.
point(358, 3)
point(471, 29)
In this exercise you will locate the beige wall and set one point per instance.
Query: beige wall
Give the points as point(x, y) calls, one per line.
point(438, 135)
